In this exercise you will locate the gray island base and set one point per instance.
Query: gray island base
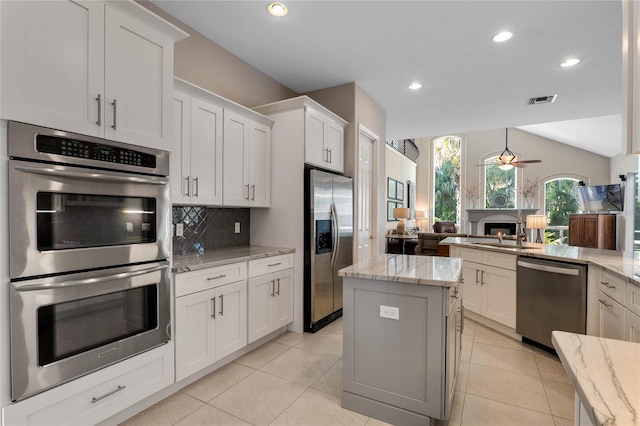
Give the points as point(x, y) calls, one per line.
point(403, 323)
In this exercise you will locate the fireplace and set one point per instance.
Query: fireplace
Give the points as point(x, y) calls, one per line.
point(506, 228)
point(478, 217)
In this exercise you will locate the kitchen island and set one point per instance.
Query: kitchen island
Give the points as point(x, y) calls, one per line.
point(606, 376)
point(403, 323)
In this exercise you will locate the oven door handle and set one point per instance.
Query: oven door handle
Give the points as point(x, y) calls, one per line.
point(94, 176)
point(75, 283)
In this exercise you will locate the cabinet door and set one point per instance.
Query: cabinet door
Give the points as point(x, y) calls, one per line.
point(138, 81)
point(611, 318)
point(231, 318)
point(195, 332)
point(631, 326)
point(575, 230)
point(315, 152)
point(206, 153)
point(282, 310)
point(471, 274)
point(334, 141)
point(590, 232)
point(236, 160)
point(180, 166)
point(53, 63)
point(260, 165)
point(499, 295)
point(261, 291)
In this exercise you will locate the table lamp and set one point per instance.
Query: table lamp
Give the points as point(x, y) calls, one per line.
point(421, 215)
point(537, 221)
point(401, 213)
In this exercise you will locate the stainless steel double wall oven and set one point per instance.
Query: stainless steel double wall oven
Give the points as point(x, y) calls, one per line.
point(89, 247)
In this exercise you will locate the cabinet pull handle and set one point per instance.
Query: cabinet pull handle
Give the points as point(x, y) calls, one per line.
point(221, 305)
point(253, 189)
point(98, 398)
point(327, 157)
point(216, 277)
point(99, 100)
point(115, 110)
point(213, 307)
point(477, 277)
point(273, 288)
point(331, 156)
point(607, 285)
point(462, 319)
point(188, 182)
point(274, 264)
point(247, 197)
point(482, 278)
point(604, 302)
point(195, 186)
point(278, 291)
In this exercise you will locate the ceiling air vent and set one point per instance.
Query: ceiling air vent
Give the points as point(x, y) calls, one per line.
point(542, 100)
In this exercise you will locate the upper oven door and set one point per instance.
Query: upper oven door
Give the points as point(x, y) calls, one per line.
point(65, 218)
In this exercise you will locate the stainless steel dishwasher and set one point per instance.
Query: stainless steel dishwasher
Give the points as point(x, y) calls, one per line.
point(550, 295)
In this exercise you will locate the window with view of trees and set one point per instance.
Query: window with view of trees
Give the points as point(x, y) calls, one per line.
point(560, 200)
point(499, 185)
point(446, 166)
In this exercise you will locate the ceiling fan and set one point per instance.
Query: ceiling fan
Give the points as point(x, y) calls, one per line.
point(508, 160)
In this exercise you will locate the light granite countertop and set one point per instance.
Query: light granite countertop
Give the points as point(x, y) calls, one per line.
point(219, 257)
point(423, 270)
point(605, 374)
point(621, 263)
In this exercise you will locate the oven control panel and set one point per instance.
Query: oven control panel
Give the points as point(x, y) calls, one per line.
point(93, 151)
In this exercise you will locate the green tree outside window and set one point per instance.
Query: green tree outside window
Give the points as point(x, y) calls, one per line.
point(560, 200)
point(446, 166)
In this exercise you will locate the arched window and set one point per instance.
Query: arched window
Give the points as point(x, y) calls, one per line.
point(446, 178)
point(500, 185)
point(560, 200)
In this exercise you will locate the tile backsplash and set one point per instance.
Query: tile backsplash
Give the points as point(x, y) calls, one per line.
point(209, 228)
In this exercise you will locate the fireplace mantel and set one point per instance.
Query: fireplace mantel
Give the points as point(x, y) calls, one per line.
point(476, 215)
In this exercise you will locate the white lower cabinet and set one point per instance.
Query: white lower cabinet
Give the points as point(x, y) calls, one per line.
point(489, 290)
point(211, 323)
point(270, 302)
point(97, 396)
point(631, 326)
point(610, 317)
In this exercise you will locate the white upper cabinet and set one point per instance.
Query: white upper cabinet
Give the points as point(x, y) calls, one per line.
point(89, 67)
point(196, 159)
point(631, 76)
point(324, 140)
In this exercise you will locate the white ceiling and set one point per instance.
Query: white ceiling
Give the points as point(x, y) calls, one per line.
point(469, 82)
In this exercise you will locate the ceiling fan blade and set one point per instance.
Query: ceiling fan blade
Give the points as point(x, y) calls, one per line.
point(530, 161)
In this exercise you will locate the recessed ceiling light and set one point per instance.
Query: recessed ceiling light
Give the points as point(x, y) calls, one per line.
point(503, 36)
point(570, 62)
point(415, 86)
point(277, 9)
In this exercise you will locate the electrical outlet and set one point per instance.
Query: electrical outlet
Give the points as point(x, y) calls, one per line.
point(179, 229)
point(237, 227)
point(389, 312)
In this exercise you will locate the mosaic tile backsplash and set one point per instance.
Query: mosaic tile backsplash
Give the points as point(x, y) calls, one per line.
point(209, 228)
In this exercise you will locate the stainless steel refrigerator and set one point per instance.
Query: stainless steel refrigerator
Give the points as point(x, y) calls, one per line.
point(328, 245)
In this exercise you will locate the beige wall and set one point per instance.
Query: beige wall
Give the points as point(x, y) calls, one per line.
point(402, 169)
point(557, 158)
point(206, 64)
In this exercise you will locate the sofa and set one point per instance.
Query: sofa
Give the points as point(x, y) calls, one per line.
point(429, 243)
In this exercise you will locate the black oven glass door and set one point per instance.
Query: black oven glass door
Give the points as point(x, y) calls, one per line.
point(68, 221)
point(69, 328)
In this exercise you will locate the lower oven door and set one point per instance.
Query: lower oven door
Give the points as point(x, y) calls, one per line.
point(66, 326)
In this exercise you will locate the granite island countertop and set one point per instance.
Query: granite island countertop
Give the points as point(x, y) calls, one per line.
point(605, 374)
point(621, 263)
point(422, 270)
point(219, 257)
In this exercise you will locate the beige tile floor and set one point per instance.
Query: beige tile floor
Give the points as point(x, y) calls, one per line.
point(296, 379)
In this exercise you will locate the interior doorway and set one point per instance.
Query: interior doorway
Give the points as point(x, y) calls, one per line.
point(366, 234)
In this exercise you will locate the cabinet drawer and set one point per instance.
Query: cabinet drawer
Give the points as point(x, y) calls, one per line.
point(470, 255)
point(632, 299)
point(270, 264)
point(611, 285)
point(499, 260)
point(194, 281)
point(98, 396)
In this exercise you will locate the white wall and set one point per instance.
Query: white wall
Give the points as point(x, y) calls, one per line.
point(401, 169)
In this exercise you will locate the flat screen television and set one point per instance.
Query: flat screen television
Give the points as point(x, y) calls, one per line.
point(600, 198)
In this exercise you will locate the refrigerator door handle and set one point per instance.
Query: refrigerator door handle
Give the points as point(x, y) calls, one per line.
point(335, 233)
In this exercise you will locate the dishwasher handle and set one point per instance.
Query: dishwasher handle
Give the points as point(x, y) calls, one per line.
point(546, 268)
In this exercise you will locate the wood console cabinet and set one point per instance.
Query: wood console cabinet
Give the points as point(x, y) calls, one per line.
point(593, 230)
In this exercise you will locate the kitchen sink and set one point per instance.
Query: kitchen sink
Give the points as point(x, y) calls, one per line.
point(513, 246)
